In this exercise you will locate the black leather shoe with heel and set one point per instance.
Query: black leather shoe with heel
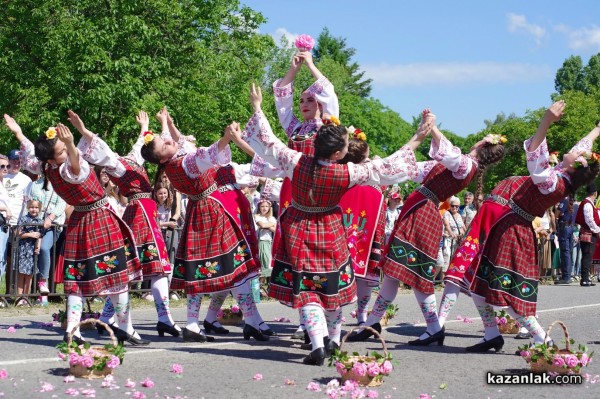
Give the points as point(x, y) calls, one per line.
point(315, 358)
point(437, 337)
point(210, 327)
point(163, 328)
point(495, 343)
point(123, 337)
point(364, 334)
point(330, 346)
point(250, 331)
point(268, 331)
point(75, 338)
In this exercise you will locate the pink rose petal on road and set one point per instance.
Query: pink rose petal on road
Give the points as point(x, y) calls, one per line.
point(129, 383)
point(257, 377)
point(3, 374)
point(138, 395)
point(11, 330)
point(313, 386)
point(89, 393)
point(424, 396)
point(468, 320)
point(72, 392)
point(459, 317)
point(46, 387)
point(176, 368)
point(148, 383)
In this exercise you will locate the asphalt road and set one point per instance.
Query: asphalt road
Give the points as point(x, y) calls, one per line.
point(226, 368)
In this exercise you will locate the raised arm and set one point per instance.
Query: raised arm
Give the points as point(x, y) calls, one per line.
point(28, 159)
point(65, 135)
point(425, 127)
point(307, 58)
point(553, 114)
point(14, 127)
point(292, 72)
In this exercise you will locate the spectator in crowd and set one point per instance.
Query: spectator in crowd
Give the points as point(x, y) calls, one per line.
point(469, 210)
point(454, 229)
point(589, 223)
point(17, 185)
point(6, 214)
point(576, 251)
point(544, 227)
point(30, 240)
point(115, 199)
point(392, 213)
point(565, 219)
point(52, 213)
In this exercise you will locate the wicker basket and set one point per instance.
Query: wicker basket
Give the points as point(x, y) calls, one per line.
point(83, 372)
point(509, 328)
point(542, 366)
point(366, 380)
point(231, 320)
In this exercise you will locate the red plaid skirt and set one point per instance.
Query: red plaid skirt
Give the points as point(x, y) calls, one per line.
point(508, 272)
point(147, 248)
point(98, 255)
point(312, 263)
point(412, 251)
point(212, 255)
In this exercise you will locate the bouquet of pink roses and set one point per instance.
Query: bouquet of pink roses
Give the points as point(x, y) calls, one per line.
point(231, 315)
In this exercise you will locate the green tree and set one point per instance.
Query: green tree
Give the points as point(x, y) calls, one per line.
point(570, 75)
point(106, 60)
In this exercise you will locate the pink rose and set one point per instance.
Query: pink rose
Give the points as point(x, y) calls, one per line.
point(220, 314)
point(386, 367)
point(148, 383)
point(176, 368)
point(571, 361)
point(257, 377)
point(113, 362)
point(62, 356)
point(138, 395)
point(314, 386)
point(373, 369)
point(305, 43)
point(558, 361)
point(86, 361)
point(72, 391)
point(372, 394)
point(350, 385)
point(129, 383)
point(525, 354)
point(502, 320)
point(235, 309)
point(73, 359)
point(360, 369)
point(585, 359)
point(3, 374)
point(341, 369)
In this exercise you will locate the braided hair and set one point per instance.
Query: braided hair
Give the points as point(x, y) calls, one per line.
point(44, 151)
point(330, 139)
point(357, 151)
point(487, 155)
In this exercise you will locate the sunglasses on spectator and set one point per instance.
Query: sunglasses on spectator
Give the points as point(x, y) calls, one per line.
point(454, 206)
point(3, 166)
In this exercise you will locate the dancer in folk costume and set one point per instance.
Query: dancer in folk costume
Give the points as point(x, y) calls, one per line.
point(363, 209)
point(129, 175)
point(315, 102)
point(213, 254)
point(412, 252)
point(99, 252)
point(497, 261)
point(312, 268)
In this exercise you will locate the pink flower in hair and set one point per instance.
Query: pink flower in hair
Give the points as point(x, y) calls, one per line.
point(305, 43)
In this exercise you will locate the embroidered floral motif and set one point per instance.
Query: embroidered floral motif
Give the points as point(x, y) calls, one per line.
point(149, 254)
point(208, 270)
point(282, 91)
point(314, 284)
point(243, 253)
point(75, 272)
point(179, 270)
point(106, 264)
point(127, 249)
point(541, 151)
point(284, 277)
point(345, 276)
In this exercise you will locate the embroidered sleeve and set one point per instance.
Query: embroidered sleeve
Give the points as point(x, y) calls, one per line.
point(99, 153)
point(270, 148)
point(397, 168)
point(543, 175)
point(28, 159)
point(423, 169)
point(284, 102)
point(204, 158)
point(588, 213)
point(242, 175)
point(136, 151)
point(324, 92)
point(271, 190)
point(584, 144)
point(66, 172)
point(451, 157)
point(259, 167)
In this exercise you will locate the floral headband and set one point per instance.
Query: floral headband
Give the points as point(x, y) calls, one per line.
point(51, 133)
point(586, 159)
point(553, 157)
point(496, 139)
point(148, 137)
point(264, 200)
point(331, 120)
point(356, 133)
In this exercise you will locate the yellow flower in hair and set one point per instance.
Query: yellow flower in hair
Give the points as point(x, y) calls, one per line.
point(497, 139)
point(148, 137)
point(334, 120)
point(51, 133)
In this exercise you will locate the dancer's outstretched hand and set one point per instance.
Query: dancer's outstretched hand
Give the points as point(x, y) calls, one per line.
point(556, 111)
point(12, 125)
point(143, 120)
point(64, 134)
point(255, 97)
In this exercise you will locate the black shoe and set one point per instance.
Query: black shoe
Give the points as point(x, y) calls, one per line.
point(268, 331)
point(210, 327)
point(191, 336)
point(521, 335)
point(75, 338)
point(163, 328)
point(250, 331)
point(587, 284)
point(437, 337)
point(315, 358)
point(330, 346)
point(364, 334)
point(569, 281)
point(122, 336)
point(497, 343)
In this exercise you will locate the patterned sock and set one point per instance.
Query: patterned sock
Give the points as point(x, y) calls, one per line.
point(363, 291)
point(428, 307)
point(488, 317)
point(108, 312)
point(533, 326)
point(160, 292)
point(312, 318)
point(261, 323)
point(193, 309)
point(216, 302)
point(122, 312)
point(301, 326)
point(449, 298)
point(243, 296)
point(389, 289)
point(334, 324)
point(74, 310)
